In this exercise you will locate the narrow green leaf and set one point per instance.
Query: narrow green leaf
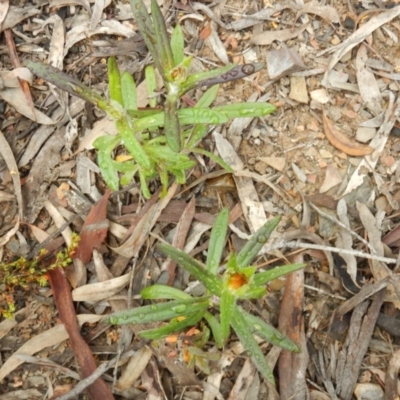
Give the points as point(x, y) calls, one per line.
point(177, 44)
point(194, 267)
point(145, 25)
point(132, 144)
point(105, 145)
point(143, 185)
point(162, 40)
point(137, 114)
point(172, 129)
point(176, 325)
point(129, 92)
point(242, 110)
point(199, 131)
point(274, 273)
point(151, 83)
point(195, 80)
point(227, 303)
point(114, 81)
point(213, 157)
point(186, 116)
point(215, 329)
point(158, 312)
point(248, 341)
point(217, 241)
point(163, 292)
point(268, 332)
point(208, 97)
point(257, 241)
point(64, 82)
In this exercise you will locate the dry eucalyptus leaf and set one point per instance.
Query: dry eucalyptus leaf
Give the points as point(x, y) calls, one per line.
point(94, 292)
point(339, 140)
point(367, 84)
point(328, 13)
point(49, 338)
point(62, 3)
point(266, 38)
point(16, 98)
point(17, 14)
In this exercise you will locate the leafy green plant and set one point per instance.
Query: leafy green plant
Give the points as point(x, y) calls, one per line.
point(23, 273)
point(158, 141)
point(240, 281)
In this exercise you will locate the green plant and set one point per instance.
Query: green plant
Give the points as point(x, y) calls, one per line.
point(239, 282)
point(22, 273)
point(158, 141)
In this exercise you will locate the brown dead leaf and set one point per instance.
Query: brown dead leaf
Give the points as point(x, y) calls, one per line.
point(94, 229)
point(339, 140)
point(205, 32)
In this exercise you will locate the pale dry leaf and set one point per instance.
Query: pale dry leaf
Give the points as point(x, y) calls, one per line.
point(95, 292)
point(262, 15)
point(206, 10)
point(345, 240)
point(378, 143)
point(17, 14)
point(8, 156)
point(268, 37)
point(28, 394)
point(39, 234)
point(328, 13)
point(47, 363)
point(215, 379)
point(4, 5)
point(77, 276)
point(84, 166)
point(10, 78)
point(98, 8)
point(357, 37)
point(49, 338)
point(43, 132)
point(216, 45)
point(243, 381)
point(104, 274)
point(9, 323)
point(136, 365)
point(16, 98)
point(367, 83)
point(374, 229)
point(135, 242)
point(59, 221)
point(57, 41)
point(62, 3)
point(71, 133)
point(106, 27)
point(253, 209)
point(339, 140)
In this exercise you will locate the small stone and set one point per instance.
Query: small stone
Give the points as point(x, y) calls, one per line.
point(332, 178)
point(320, 95)
point(275, 162)
point(298, 89)
point(325, 154)
point(283, 62)
point(365, 134)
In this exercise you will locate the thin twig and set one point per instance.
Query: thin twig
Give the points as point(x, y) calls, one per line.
point(342, 225)
point(298, 245)
point(83, 384)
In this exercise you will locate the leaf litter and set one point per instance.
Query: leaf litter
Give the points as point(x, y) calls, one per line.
point(349, 81)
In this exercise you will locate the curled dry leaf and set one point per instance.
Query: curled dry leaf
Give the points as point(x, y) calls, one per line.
point(339, 140)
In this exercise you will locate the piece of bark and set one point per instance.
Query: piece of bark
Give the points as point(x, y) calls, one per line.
point(350, 357)
point(63, 299)
point(94, 230)
point(293, 366)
